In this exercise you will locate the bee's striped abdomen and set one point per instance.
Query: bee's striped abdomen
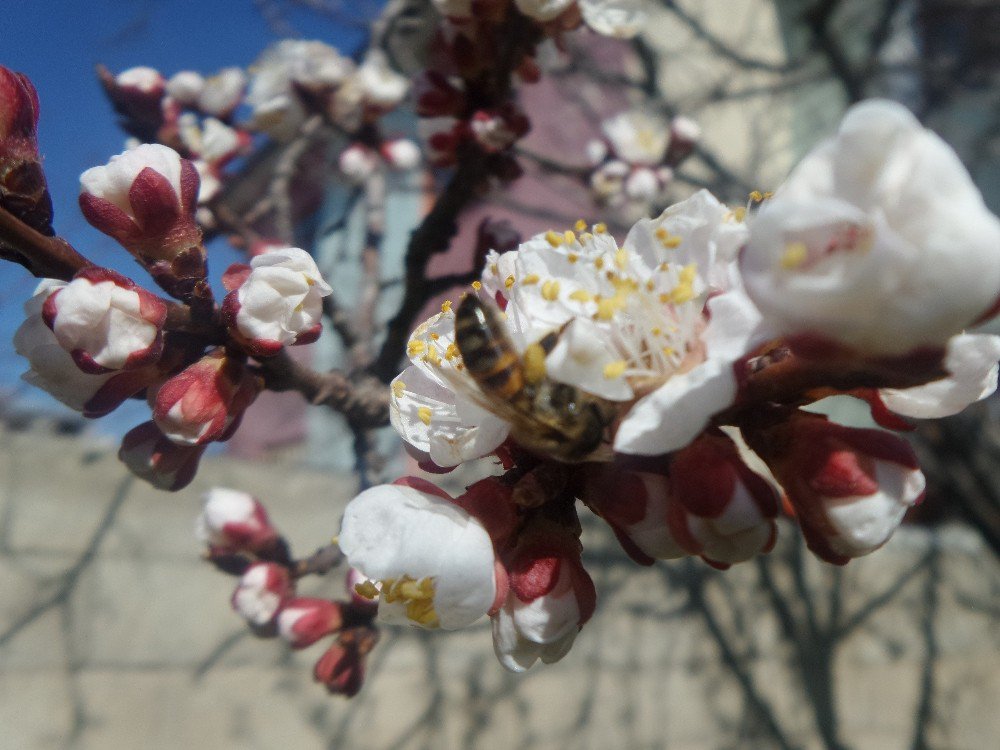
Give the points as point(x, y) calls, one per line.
point(487, 350)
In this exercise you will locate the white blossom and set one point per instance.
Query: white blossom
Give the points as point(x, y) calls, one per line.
point(432, 561)
point(186, 86)
point(280, 303)
point(51, 367)
point(544, 628)
point(635, 325)
point(105, 321)
point(637, 137)
point(878, 239)
point(113, 181)
point(971, 361)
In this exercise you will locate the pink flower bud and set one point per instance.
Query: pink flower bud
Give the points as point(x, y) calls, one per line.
point(223, 92)
point(382, 88)
point(145, 198)
point(152, 457)
point(551, 597)
point(137, 94)
point(185, 87)
point(278, 304)
point(357, 162)
point(205, 401)
point(105, 321)
point(438, 96)
point(442, 137)
point(233, 521)
point(401, 153)
point(261, 593)
point(684, 136)
point(342, 668)
point(23, 190)
point(850, 487)
point(730, 510)
point(498, 129)
point(304, 620)
point(53, 368)
point(642, 184)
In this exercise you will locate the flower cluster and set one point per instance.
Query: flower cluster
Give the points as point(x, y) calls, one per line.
point(644, 379)
point(240, 540)
point(100, 338)
point(189, 112)
point(464, 107)
point(294, 79)
point(635, 160)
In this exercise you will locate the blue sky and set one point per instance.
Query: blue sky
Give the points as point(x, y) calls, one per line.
point(57, 43)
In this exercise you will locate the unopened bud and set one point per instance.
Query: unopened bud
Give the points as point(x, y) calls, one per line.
point(262, 592)
point(304, 620)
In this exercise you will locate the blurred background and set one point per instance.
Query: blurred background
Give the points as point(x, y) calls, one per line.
point(113, 634)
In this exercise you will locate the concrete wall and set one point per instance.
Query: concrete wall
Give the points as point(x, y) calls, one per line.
point(114, 635)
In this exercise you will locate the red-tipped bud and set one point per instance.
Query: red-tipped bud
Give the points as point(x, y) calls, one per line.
point(152, 457)
point(278, 302)
point(342, 668)
point(262, 592)
point(401, 154)
point(105, 321)
point(550, 598)
point(684, 136)
point(232, 521)
point(137, 94)
point(437, 95)
point(23, 190)
point(145, 198)
point(849, 487)
point(730, 510)
point(496, 130)
point(205, 401)
point(304, 620)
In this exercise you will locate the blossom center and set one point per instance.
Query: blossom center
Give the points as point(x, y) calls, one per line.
point(416, 596)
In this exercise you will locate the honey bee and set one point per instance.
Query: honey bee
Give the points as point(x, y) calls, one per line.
point(554, 419)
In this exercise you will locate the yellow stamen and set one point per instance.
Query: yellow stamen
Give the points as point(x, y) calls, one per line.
point(569, 237)
point(534, 364)
point(435, 336)
point(424, 413)
point(553, 239)
point(606, 309)
point(508, 282)
point(682, 293)
point(621, 258)
point(600, 228)
point(366, 589)
point(795, 255)
point(740, 213)
point(446, 306)
point(580, 225)
point(531, 278)
point(398, 388)
point(477, 285)
point(415, 347)
point(550, 290)
point(756, 196)
point(572, 257)
point(433, 357)
point(599, 263)
point(451, 352)
point(614, 370)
